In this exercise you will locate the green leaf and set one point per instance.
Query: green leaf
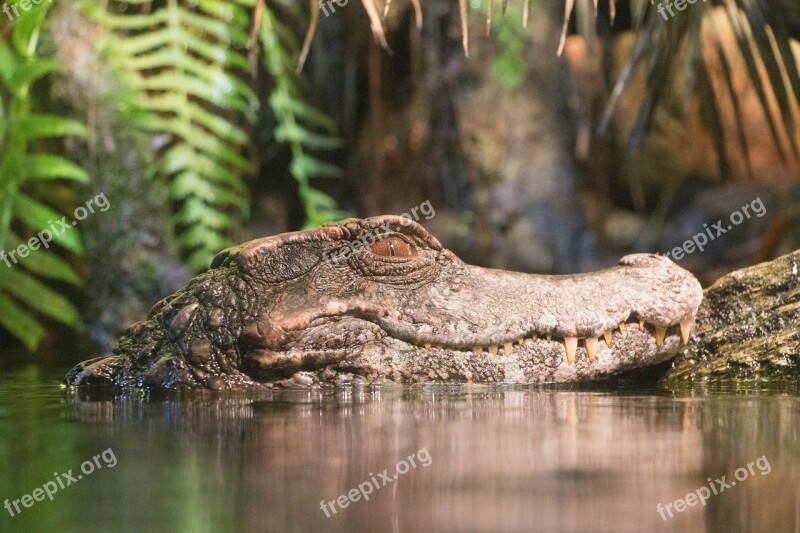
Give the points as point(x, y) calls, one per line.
point(3, 123)
point(305, 167)
point(24, 293)
point(36, 126)
point(282, 102)
point(195, 211)
point(40, 218)
point(50, 266)
point(47, 264)
point(318, 199)
point(37, 296)
point(54, 167)
point(30, 72)
point(26, 27)
point(9, 60)
point(184, 157)
point(294, 133)
point(23, 325)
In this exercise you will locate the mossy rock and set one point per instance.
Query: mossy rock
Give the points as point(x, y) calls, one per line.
point(748, 328)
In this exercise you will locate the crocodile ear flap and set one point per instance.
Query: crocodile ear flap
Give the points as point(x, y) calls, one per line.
point(282, 257)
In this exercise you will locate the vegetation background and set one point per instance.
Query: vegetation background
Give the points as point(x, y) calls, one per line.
point(551, 136)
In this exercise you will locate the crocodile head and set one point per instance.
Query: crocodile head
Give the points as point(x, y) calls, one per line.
point(380, 299)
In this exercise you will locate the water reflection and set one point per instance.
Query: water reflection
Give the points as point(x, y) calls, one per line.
point(502, 459)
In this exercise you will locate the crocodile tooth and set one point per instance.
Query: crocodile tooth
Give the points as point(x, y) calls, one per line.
point(477, 350)
point(570, 345)
point(686, 328)
point(549, 337)
point(641, 324)
point(591, 346)
point(622, 327)
point(427, 346)
point(508, 348)
point(520, 341)
point(438, 346)
point(493, 349)
point(661, 331)
point(607, 337)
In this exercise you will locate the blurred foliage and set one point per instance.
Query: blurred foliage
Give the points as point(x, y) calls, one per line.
point(509, 66)
point(23, 162)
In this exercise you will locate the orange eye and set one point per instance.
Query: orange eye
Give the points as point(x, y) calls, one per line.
point(392, 247)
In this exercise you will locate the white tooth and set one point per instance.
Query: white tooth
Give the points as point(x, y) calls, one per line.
point(427, 346)
point(508, 348)
point(661, 332)
point(686, 329)
point(570, 345)
point(622, 327)
point(520, 341)
point(641, 324)
point(591, 346)
point(607, 337)
point(549, 337)
point(438, 346)
point(477, 350)
point(493, 349)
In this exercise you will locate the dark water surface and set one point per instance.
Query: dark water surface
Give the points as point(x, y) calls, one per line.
point(487, 459)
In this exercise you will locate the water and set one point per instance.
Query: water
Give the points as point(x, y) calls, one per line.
point(487, 459)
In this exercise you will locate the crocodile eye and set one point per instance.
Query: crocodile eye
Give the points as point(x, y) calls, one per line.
point(393, 247)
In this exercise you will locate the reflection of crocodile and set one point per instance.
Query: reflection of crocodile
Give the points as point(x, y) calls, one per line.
point(401, 308)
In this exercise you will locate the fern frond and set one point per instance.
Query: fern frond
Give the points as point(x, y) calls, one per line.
point(24, 296)
point(186, 64)
point(301, 126)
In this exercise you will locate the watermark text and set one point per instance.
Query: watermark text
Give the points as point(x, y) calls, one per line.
point(700, 240)
point(376, 482)
point(61, 481)
point(56, 229)
point(714, 487)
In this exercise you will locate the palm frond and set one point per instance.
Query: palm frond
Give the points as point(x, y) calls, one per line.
point(763, 45)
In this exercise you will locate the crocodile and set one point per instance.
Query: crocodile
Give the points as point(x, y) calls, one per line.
point(380, 299)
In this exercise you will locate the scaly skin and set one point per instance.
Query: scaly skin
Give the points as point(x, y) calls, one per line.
point(272, 311)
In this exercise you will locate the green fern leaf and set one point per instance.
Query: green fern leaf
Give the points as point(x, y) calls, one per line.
point(299, 125)
point(38, 297)
point(39, 216)
point(186, 64)
point(24, 297)
point(20, 323)
point(40, 126)
point(55, 167)
point(47, 265)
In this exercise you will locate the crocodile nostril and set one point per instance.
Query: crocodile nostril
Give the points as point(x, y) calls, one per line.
point(644, 260)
